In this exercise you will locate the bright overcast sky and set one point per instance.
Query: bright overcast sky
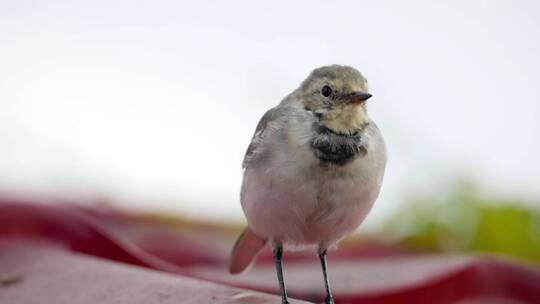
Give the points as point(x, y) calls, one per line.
point(152, 104)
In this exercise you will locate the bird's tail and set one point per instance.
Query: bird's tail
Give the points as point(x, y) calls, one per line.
point(245, 250)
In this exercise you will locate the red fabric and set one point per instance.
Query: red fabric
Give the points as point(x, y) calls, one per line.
point(34, 271)
point(360, 274)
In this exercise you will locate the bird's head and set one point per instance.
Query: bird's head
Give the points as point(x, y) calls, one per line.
point(337, 95)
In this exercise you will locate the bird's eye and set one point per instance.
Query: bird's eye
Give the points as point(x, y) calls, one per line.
point(326, 91)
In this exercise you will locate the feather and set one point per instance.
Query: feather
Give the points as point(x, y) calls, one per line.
point(245, 250)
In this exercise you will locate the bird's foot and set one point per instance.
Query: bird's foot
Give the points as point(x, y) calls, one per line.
point(329, 300)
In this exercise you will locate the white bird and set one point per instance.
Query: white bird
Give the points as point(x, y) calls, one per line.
point(313, 170)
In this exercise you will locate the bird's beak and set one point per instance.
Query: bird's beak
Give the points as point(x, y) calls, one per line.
point(357, 97)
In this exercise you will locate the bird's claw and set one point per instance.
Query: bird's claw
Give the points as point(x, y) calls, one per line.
point(329, 300)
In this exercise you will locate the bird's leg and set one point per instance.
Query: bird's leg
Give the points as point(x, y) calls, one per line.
point(329, 299)
point(277, 252)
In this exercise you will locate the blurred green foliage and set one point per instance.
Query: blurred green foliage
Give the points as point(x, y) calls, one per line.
point(464, 220)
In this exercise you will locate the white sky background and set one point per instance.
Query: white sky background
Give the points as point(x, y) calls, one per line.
point(152, 104)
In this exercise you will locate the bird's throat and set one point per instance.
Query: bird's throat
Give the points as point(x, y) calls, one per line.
point(345, 119)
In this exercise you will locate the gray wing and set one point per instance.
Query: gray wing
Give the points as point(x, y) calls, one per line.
point(254, 153)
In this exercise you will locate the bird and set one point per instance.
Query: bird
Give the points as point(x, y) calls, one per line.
point(312, 171)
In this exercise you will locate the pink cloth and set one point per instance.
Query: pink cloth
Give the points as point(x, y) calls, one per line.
point(48, 255)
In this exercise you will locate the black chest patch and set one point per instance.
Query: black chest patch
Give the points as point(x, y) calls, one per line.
point(339, 149)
